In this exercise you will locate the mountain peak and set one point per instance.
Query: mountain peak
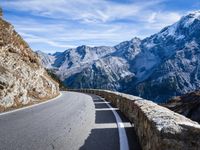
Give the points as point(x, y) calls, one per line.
point(135, 39)
point(195, 14)
point(189, 19)
point(82, 47)
point(177, 30)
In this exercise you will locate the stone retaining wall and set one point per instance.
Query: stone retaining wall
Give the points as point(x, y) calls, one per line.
point(157, 127)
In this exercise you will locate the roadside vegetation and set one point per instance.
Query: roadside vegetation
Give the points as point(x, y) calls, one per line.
point(56, 78)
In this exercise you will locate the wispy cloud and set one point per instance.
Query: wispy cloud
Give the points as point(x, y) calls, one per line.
point(66, 23)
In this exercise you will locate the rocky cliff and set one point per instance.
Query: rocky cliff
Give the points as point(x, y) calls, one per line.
point(22, 79)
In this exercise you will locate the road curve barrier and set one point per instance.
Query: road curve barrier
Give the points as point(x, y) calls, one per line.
point(157, 127)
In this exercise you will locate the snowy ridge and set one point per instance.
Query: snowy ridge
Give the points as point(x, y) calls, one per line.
point(158, 67)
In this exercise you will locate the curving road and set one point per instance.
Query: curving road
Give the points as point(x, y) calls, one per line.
point(70, 122)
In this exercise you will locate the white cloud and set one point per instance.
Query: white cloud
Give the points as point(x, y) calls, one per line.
point(37, 39)
point(158, 20)
point(66, 23)
point(89, 11)
point(152, 18)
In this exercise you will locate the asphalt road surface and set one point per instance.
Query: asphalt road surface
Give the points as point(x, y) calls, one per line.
point(70, 122)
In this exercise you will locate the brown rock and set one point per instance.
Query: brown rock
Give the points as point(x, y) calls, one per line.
point(22, 78)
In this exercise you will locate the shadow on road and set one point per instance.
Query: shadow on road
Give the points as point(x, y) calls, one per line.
point(102, 139)
point(104, 135)
point(104, 116)
point(100, 105)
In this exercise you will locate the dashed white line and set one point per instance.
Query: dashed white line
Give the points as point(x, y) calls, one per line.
point(100, 102)
point(105, 126)
point(123, 140)
point(104, 109)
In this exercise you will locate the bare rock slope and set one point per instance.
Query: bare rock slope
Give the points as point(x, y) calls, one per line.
point(22, 79)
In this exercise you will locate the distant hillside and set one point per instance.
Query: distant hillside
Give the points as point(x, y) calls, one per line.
point(187, 105)
point(52, 74)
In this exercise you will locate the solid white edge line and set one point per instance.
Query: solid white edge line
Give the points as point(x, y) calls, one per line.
point(34, 105)
point(123, 140)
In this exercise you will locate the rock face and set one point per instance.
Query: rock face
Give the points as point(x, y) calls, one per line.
point(187, 105)
point(158, 128)
point(22, 79)
point(158, 67)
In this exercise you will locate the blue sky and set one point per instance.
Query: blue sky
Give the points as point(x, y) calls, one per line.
point(55, 25)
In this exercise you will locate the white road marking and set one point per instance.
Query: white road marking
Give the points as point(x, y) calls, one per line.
point(123, 140)
point(103, 109)
point(101, 102)
point(110, 125)
point(26, 107)
point(105, 125)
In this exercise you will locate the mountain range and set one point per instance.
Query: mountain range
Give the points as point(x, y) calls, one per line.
point(157, 68)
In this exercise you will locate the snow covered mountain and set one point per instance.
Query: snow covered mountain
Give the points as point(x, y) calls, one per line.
point(172, 60)
point(158, 67)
